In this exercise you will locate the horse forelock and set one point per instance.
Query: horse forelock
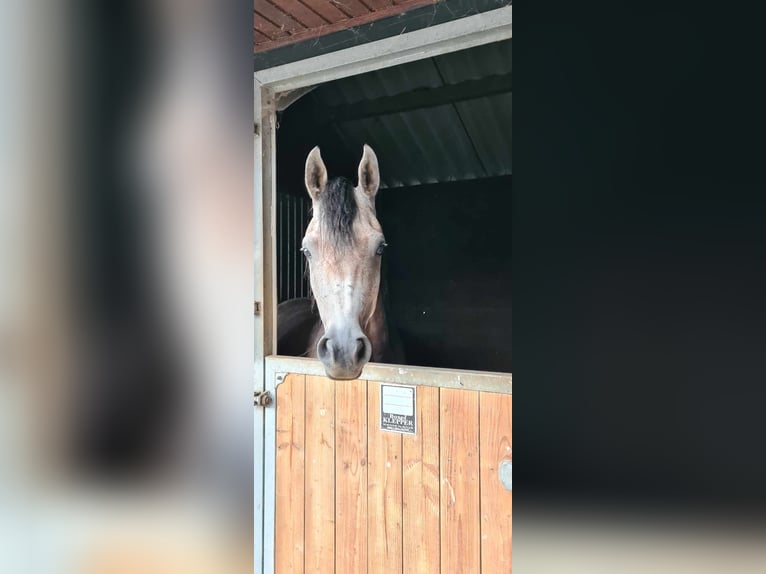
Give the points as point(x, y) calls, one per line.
point(338, 211)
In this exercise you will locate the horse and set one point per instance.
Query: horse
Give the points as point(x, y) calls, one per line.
point(345, 325)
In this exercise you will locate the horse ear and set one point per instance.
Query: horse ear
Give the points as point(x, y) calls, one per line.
point(316, 173)
point(369, 175)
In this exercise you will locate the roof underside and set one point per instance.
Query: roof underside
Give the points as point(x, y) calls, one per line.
point(437, 120)
point(282, 22)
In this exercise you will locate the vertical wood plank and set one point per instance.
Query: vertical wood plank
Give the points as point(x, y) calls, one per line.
point(384, 492)
point(320, 475)
point(459, 465)
point(420, 488)
point(288, 552)
point(496, 431)
point(351, 476)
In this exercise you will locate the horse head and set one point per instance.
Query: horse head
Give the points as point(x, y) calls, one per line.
point(343, 244)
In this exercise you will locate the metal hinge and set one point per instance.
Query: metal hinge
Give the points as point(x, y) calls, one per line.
point(257, 308)
point(262, 398)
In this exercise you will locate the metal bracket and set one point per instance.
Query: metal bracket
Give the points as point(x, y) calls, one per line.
point(262, 398)
point(505, 471)
point(286, 99)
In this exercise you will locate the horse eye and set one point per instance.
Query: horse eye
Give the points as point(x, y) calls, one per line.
point(380, 249)
point(306, 252)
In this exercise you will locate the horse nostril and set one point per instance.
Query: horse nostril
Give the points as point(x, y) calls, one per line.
point(323, 348)
point(361, 350)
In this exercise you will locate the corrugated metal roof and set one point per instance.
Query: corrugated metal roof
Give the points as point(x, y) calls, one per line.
point(386, 82)
point(479, 62)
point(463, 140)
point(423, 146)
point(488, 123)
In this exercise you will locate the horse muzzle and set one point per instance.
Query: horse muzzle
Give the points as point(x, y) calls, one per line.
point(344, 353)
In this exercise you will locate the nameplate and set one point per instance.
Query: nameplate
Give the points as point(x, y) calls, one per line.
point(398, 408)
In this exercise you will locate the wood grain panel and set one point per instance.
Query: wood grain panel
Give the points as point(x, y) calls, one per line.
point(300, 12)
point(459, 465)
point(352, 498)
point(320, 475)
point(378, 4)
point(495, 438)
point(259, 38)
point(290, 405)
point(420, 488)
point(351, 476)
point(322, 17)
point(326, 10)
point(266, 28)
point(384, 492)
point(353, 8)
point(277, 16)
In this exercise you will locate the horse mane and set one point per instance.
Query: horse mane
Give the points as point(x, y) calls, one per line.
point(338, 211)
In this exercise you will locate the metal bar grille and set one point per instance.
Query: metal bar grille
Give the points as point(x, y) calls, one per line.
point(292, 219)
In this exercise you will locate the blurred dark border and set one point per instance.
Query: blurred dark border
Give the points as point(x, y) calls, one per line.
point(129, 375)
point(639, 252)
point(132, 371)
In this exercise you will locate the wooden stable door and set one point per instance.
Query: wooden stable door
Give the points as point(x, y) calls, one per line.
point(351, 498)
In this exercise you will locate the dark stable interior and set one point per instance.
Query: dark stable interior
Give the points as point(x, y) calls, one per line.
point(441, 129)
